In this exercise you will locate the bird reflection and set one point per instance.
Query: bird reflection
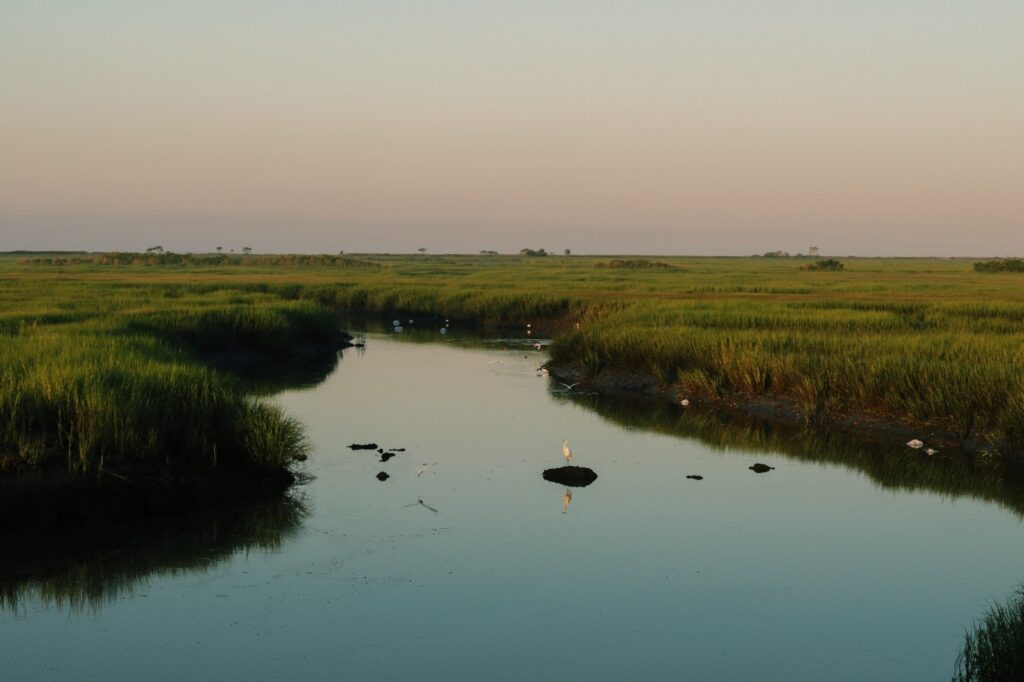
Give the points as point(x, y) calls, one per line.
point(566, 499)
point(421, 503)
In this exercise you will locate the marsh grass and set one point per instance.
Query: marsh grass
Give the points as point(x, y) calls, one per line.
point(927, 341)
point(994, 650)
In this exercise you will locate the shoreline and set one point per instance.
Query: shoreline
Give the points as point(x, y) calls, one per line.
point(784, 411)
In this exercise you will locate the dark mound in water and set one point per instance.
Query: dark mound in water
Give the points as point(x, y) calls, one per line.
point(760, 468)
point(385, 456)
point(363, 446)
point(695, 477)
point(571, 476)
point(382, 476)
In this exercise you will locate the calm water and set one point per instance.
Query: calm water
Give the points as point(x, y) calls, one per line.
point(838, 565)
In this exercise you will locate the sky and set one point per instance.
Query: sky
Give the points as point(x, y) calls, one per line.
point(864, 128)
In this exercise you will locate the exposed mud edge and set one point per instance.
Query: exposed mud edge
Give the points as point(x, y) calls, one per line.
point(784, 411)
point(51, 499)
point(244, 360)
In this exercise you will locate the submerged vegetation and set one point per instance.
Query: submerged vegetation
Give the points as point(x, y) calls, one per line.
point(994, 650)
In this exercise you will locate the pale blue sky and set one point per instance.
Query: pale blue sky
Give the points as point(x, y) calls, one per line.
point(727, 127)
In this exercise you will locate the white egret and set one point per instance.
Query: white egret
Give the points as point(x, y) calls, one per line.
point(537, 346)
point(568, 387)
point(684, 402)
point(566, 452)
point(915, 443)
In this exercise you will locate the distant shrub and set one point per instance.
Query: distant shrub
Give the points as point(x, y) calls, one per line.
point(539, 253)
point(830, 264)
point(634, 264)
point(1000, 265)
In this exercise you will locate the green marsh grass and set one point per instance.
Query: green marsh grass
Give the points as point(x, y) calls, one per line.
point(994, 650)
point(928, 341)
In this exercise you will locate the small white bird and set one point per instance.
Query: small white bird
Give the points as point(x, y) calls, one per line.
point(537, 346)
point(566, 452)
point(568, 387)
point(685, 402)
point(395, 323)
point(930, 451)
point(444, 331)
point(915, 443)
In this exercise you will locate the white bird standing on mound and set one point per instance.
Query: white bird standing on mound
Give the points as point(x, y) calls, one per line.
point(566, 452)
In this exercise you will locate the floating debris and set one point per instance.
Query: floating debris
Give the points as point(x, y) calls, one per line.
point(695, 477)
point(363, 446)
point(759, 468)
point(385, 456)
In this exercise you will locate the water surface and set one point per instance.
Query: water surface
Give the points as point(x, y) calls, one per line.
point(844, 563)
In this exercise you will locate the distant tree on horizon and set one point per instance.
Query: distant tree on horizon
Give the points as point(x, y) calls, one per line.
point(422, 249)
point(246, 250)
point(220, 249)
point(568, 252)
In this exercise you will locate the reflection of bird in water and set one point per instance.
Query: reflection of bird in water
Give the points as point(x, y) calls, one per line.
point(421, 503)
point(423, 468)
point(566, 452)
point(566, 499)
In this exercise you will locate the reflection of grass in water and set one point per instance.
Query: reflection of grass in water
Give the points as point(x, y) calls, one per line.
point(88, 568)
point(994, 650)
point(890, 467)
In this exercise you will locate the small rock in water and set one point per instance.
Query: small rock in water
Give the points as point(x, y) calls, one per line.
point(385, 456)
point(696, 477)
point(363, 446)
point(571, 476)
point(759, 468)
point(916, 444)
point(383, 476)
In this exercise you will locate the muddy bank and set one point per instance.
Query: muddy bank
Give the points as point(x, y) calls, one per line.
point(786, 411)
point(302, 364)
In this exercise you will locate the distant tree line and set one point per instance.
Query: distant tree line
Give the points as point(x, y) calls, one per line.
point(154, 258)
point(538, 253)
point(634, 264)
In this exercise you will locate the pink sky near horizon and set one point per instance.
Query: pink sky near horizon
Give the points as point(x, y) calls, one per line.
point(731, 128)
